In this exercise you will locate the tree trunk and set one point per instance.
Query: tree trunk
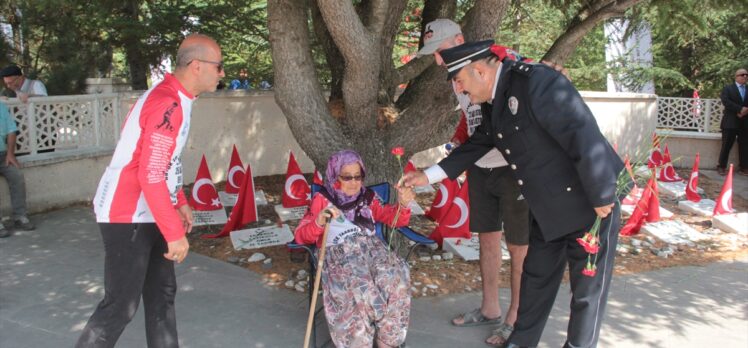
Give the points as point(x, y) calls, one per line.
point(372, 122)
point(564, 46)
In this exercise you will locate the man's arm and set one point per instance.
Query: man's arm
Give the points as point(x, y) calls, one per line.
point(10, 157)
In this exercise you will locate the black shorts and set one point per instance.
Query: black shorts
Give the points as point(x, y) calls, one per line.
point(496, 204)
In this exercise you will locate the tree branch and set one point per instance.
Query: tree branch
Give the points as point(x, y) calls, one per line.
point(414, 68)
point(564, 46)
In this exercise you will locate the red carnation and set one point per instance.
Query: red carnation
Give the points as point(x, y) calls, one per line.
point(590, 243)
point(589, 270)
point(398, 151)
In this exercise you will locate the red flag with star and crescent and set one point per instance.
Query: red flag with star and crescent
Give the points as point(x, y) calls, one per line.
point(724, 202)
point(655, 156)
point(692, 193)
point(296, 190)
point(204, 195)
point(318, 178)
point(443, 199)
point(245, 210)
point(235, 174)
point(667, 172)
point(456, 221)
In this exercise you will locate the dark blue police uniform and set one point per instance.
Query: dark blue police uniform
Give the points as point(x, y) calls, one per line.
point(565, 168)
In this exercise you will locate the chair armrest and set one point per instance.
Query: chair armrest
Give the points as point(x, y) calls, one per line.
point(415, 236)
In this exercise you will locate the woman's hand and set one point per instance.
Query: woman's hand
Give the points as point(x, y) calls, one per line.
point(326, 215)
point(405, 195)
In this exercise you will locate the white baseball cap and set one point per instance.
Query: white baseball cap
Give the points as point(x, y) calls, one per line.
point(435, 33)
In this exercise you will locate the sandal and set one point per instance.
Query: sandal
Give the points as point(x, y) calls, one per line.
point(503, 331)
point(475, 318)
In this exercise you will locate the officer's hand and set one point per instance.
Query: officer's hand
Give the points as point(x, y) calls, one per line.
point(603, 211)
point(417, 178)
point(178, 250)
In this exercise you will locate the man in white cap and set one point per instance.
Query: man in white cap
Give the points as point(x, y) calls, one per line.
point(496, 204)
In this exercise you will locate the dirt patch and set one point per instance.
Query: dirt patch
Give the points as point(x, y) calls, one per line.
point(458, 276)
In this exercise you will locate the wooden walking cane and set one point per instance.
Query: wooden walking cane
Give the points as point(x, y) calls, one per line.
point(320, 261)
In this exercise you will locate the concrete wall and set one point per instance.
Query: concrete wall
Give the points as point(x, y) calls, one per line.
point(683, 147)
point(255, 123)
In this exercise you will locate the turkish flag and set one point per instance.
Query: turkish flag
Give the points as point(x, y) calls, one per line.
point(635, 222)
point(667, 172)
point(456, 222)
point(245, 210)
point(236, 173)
point(655, 156)
point(410, 167)
point(724, 202)
point(443, 199)
point(692, 193)
point(296, 190)
point(204, 195)
point(318, 178)
point(653, 208)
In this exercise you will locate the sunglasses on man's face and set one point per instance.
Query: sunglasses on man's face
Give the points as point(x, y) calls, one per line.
point(351, 177)
point(218, 65)
point(743, 75)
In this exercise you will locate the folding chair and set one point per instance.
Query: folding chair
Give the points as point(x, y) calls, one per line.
point(383, 191)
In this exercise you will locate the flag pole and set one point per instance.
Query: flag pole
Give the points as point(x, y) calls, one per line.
point(318, 275)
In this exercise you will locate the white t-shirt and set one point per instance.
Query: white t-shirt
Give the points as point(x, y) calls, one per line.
point(474, 117)
point(33, 88)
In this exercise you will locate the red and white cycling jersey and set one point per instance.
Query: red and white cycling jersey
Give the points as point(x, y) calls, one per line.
point(143, 183)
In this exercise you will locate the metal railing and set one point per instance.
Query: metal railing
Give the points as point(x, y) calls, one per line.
point(59, 123)
point(689, 114)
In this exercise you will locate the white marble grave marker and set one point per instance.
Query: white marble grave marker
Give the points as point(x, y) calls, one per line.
point(261, 237)
point(673, 232)
point(209, 217)
point(732, 223)
point(704, 207)
point(627, 210)
point(289, 214)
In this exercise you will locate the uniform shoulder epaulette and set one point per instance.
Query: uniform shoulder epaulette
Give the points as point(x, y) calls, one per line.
point(523, 68)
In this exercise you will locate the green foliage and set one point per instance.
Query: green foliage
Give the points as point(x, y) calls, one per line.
point(531, 26)
point(696, 43)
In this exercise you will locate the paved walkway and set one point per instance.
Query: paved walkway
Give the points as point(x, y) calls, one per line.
point(51, 279)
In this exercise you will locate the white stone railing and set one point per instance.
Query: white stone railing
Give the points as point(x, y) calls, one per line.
point(688, 114)
point(62, 123)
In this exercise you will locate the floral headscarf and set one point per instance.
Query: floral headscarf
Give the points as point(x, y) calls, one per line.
point(355, 207)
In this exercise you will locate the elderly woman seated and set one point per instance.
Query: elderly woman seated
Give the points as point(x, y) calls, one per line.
point(366, 286)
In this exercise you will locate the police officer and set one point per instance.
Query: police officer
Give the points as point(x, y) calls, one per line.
point(566, 170)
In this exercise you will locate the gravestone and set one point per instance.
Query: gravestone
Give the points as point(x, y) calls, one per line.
point(261, 237)
point(467, 249)
point(704, 207)
point(732, 223)
point(675, 190)
point(627, 210)
point(673, 232)
point(229, 199)
point(290, 214)
point(209, 217)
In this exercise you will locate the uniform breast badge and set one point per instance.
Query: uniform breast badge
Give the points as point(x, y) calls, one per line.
point(513, 105)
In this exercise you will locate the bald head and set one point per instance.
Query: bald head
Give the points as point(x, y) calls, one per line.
point(741, 76)
point(195, 46)
point(199, 64)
